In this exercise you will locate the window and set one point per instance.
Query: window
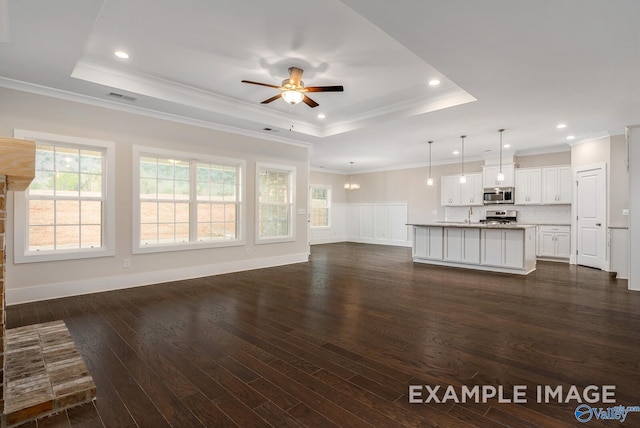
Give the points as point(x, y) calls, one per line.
point(186, 201)
point(164, 200)
point(218, 203)
point(275, 185)
point(67, 211)
point(320, 206)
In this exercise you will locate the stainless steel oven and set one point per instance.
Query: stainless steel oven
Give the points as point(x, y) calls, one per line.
point(499, 195)
point(501, 217)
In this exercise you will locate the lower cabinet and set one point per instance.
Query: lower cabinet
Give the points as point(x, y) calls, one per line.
point(428, 243)
point(503, 248)
point(507, 250)
point(462, 245)
point(554, 241)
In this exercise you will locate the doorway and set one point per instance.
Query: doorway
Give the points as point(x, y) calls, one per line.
point(591, 216)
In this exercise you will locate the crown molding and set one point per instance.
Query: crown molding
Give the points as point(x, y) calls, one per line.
point(591, 137)
point(98, 102)
point(154, 87)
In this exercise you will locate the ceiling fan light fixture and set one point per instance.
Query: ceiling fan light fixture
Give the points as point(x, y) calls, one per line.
point(292, 97)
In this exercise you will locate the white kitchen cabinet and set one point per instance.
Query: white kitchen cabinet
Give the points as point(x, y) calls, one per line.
point(528, 186)
point(508, 249)
point(505, 247)
point(428, 243)
point(557, 185)
point(462, 245)
point(454, 193)
point(472, 191)
point(450, 190)
point(554, 241)
point(490, 176)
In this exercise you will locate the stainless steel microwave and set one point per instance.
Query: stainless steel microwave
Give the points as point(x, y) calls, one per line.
point(499, 195)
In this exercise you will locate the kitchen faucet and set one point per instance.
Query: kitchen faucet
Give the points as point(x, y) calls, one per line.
point(469, 215)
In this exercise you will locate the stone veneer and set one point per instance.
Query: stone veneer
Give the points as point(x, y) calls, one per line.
point(3, 210)
point(42, 372)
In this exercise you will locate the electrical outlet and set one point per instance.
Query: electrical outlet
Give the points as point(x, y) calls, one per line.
point(434, 212)
point(126, 263)
point(625, 211)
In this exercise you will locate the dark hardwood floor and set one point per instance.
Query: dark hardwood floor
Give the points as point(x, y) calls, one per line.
point(338, 341)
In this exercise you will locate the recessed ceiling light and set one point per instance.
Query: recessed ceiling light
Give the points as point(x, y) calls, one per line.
point(561, 125)
point(434, 82)
point(571, 137)
point(321, 116)
point(121, 54)
point(456, 152)
point(506, 146)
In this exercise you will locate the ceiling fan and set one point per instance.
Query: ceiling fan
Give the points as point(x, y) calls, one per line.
point(293, 89)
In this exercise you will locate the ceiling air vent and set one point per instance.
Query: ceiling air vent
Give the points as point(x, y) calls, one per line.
point(121, 96)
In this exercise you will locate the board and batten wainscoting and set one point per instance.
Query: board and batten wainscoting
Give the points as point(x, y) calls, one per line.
point(378, 223)
point(337, 229)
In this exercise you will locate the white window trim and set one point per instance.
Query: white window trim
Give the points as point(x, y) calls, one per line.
point(21, 253)
point(292, 225)
point(322, 186)
point(138, 151)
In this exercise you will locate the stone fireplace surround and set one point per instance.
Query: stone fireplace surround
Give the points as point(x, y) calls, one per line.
point(42, 371)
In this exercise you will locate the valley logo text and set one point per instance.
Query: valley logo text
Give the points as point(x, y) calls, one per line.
point(517, 394)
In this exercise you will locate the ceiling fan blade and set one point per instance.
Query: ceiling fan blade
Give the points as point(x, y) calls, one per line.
point(324, 89)
point(262, 84)
point(308, 101)
point(272, 99)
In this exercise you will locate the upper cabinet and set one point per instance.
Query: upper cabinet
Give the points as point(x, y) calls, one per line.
point(454, 193)
point(556, 185)
point(472, 192)
point(528, 186)
point(450, 190)
point(490, 176)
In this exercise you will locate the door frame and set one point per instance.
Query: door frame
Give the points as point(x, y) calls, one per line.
point(573, 259)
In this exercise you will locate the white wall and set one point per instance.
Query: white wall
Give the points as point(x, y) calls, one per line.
point(36, 281)
point(619, 182)
point(634, 207)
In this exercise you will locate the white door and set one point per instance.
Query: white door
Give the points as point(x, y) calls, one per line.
point(591, 215)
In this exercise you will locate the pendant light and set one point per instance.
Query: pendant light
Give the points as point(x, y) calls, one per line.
point(430, 179)
point(500, 173)
point(463, 179)
point(350, 185)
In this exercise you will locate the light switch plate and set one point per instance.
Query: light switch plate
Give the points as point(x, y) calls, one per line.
point(302, 211)
point(625, 211)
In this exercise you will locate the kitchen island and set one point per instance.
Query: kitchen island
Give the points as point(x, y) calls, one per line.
point(508, 248)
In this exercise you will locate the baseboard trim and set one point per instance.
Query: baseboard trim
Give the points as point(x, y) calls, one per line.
point(379, 242)
point(41, 292)
point(332, 240)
